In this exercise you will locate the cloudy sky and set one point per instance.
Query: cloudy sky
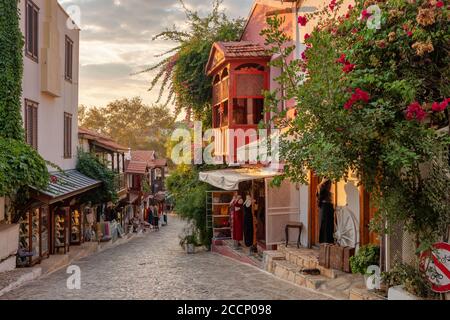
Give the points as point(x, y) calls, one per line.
point(116, 40)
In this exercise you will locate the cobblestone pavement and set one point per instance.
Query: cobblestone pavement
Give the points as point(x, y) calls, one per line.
point(153, 266)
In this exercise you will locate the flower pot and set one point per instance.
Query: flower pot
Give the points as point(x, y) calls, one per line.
point(399, 293)
point(190, 248)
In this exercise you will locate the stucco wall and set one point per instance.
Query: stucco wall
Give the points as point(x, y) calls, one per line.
point(52, 32)
point(2, 209)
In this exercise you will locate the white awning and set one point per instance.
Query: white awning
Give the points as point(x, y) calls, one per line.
point(229, 179)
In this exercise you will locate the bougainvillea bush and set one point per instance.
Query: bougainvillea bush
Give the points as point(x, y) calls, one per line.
point(372, 92)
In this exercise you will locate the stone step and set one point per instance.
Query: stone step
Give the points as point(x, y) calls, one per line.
point(292, 273)
point(308, 259)
point(269, 256)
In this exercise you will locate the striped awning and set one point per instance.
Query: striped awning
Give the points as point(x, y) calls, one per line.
point(67, 184)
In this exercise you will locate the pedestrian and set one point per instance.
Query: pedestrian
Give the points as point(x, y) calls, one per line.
point(156, 217)
point(325, 204)
point(150, 215)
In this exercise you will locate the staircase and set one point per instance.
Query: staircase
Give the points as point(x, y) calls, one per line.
point(288, 264)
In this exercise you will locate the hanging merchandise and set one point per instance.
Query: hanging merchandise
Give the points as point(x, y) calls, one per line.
point(237, 218)
point(248, 221)
point(61, 230)
point(76, 230)
point(32, 237)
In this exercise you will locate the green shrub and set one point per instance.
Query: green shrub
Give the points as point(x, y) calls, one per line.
point(367, 256)
point(413, 280)
point(90, 166)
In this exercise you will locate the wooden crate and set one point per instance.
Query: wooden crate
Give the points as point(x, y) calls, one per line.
point(337, 257)
point(324, 255)
point(348, 253)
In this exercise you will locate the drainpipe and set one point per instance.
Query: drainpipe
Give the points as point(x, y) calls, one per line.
point(296, 5)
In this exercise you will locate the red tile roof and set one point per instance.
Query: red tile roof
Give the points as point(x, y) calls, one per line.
point(136, 167)
point(242, 49)
point(143, 156)
point(149, 158)
point(100, 139)
point(222, 51)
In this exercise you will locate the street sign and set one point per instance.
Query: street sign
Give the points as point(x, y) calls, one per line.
point(437, 265)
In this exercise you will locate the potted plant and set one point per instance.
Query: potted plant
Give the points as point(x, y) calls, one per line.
point(407, 282)
point(366, 257)
point(189, 241)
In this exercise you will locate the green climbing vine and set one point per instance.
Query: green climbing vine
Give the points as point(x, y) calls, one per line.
point(20, 164)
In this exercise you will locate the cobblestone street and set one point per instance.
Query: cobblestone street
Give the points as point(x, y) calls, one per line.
point(153, 266)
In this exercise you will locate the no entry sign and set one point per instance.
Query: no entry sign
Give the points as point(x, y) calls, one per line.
point(437, 265)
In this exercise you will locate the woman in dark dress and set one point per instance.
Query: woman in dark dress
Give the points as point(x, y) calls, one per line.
point(248, 222)
point(326, 211)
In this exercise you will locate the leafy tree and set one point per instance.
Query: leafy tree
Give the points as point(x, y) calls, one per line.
point(20, 165)
point(89, 165)
point(131, 123)
point(182, 72)
point(189, 197)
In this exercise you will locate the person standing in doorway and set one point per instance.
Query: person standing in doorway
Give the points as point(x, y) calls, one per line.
point(326, 212)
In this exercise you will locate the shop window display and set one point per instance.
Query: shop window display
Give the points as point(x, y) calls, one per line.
point(33, 237)
point(218, 214)
point(61, 230)
point(76, 228)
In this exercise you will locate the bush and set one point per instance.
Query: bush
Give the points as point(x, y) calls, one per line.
point(414, 281)
point(367, 256)
point(90, 166)
point(189, 195)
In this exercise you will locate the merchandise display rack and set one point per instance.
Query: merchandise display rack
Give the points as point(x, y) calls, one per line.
point(61, 230)
point(218, 215)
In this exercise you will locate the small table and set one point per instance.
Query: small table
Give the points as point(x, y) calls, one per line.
point(294, 225)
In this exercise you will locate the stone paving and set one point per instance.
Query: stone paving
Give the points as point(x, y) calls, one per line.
point(153, 266)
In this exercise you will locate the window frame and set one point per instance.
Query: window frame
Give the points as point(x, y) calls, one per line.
point(67, 135)
point(33, 52)
point(34, 125)
point(68, 59)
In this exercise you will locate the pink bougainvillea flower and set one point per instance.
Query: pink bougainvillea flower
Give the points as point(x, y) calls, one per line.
point(342, 59)
point(415, 112)
point(354, 30)
point(332, 5)
point(348, 67)
point(440, 4)
point(302, 21)
point(409, 33)
point(350, 7)
point(362, 95)
point(307, 36)
point(358, 95)
point(439, 107)
point(365, 14)
point(304, 56)
point(347, 15)
point(54, 179)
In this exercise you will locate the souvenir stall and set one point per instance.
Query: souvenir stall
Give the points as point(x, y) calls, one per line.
point(34, 240)
point(76, 226)
point(258, 212)
point(61, 229)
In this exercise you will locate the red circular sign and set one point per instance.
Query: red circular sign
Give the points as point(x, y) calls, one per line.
point(436, 264)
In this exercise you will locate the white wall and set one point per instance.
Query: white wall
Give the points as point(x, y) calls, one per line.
point(52, 108)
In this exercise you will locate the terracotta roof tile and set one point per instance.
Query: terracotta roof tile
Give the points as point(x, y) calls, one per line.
point(142, 155)
point(242, 49)
point(136, 167)
point(101, 139)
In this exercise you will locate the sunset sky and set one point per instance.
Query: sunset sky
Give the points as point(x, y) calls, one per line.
point(116, 41)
